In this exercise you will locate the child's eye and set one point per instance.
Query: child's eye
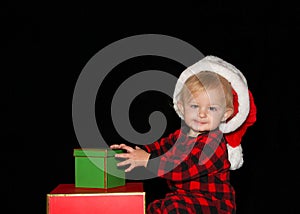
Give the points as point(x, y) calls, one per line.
point(211, 108)
point(194, 106)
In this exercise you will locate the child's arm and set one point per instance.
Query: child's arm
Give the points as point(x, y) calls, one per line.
point(134, 157)
point(160, 147)
point(205, 158)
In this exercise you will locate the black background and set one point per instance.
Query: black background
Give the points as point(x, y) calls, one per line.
point(45, 47)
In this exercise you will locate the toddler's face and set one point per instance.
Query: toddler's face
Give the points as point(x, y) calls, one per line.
point(204, 110)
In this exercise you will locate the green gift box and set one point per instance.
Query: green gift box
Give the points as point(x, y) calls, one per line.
point(97, 168)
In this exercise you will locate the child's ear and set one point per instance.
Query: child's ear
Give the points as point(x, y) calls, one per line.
point(180, 107)
point(227, 114)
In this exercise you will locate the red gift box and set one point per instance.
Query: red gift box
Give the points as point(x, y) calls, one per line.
point(66, 198)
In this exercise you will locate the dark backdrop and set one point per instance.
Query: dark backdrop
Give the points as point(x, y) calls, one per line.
point(43, 52)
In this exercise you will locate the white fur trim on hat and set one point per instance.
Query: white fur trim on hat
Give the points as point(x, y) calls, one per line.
point(229, 72)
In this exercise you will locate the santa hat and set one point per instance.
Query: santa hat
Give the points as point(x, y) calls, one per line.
point(236, 126)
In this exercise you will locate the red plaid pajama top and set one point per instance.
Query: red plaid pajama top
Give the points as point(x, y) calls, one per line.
point(197, 173)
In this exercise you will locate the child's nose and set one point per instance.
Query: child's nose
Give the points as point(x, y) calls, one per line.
point(202, 112)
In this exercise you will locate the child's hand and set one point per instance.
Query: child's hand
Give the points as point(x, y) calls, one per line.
point(135, 157)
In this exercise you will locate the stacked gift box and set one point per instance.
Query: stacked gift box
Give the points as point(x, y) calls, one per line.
point(97, 168)
point(100, 186)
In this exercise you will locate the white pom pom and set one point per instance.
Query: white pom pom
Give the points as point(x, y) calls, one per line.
point(235, 156)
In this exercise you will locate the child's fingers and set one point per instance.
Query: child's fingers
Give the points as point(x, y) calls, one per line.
point(129, 162)
point(122, 146)
point(124, 163)
point(126, 156)
point(127, 148)
point(131, 167)
point(115, 146)
point(122, 155)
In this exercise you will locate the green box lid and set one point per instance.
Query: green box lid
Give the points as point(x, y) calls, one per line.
point(96, 152)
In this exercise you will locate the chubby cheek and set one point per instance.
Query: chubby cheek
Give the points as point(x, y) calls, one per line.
point(192, 113)
point(192, 118)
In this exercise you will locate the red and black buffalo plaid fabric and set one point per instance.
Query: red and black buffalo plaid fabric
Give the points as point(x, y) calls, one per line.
point(197, 173)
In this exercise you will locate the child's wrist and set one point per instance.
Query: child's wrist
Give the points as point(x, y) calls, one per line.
point(147, 160)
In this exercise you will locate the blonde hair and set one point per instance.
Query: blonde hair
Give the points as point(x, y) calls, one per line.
point(207, 80)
